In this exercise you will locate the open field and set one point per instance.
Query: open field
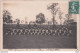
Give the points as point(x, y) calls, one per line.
point(22, 41)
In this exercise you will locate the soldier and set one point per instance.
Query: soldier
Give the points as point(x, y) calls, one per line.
point(15, 32)
point(51, 32)
point(18, 31)
point(33, 30)
point(46, 32)
point(38, 32)
point(26, 31)
point(70, 32)
point(42, 33)
point(55, 32)
point(8, 31)
point(60, 32)
point(23, 31)
point(35, 33)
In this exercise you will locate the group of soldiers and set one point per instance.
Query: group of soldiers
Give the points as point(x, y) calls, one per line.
point(53, 32)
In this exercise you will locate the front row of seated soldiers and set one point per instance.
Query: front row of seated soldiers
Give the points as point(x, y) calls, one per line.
point(59, 31)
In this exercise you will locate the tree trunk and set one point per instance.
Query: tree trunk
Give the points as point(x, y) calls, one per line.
point(53, 20)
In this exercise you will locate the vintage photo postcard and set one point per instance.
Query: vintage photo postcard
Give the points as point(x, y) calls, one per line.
point(39, 25)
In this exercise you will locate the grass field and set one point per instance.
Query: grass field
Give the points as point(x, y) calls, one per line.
point(39, 41)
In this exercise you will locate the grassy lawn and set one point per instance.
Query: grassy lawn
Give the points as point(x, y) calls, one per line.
point(39, 41)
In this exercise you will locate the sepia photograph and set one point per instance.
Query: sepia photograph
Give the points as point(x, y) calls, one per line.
point(39, 25)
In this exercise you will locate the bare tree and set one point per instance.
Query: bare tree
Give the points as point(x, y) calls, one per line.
point(54, 9)
point(60, 17)
point(68, 16)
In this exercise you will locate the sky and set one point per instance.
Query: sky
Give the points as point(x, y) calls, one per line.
point(28, 10)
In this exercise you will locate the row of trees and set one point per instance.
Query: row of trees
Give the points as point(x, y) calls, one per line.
point(40, 18)
point(7, 18)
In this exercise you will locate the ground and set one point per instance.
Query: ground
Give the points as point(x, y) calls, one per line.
point(39, 41)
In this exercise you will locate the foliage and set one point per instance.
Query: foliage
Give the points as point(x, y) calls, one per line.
point(18, 21)
point(40, 18)
point(7, 17)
